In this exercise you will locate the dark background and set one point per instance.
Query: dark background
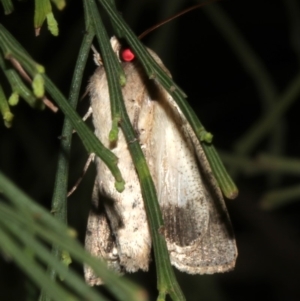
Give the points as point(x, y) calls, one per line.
point(227, 102)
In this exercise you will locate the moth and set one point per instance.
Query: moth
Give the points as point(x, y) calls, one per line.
point(197, 227)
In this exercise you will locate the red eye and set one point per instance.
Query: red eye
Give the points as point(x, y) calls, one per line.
point(127, 55)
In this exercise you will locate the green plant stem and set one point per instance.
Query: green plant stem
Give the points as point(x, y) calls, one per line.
point(111, 65)
point(263, 164)
point(262, 79)
point(167, 283)
point(293, 18)
point(8, 6)
point(36, 273)
point(265, 124)
point(36, 249)
point(59, 199)
point(154, 71)
point(45, 226)
point(280, 197)
point(274, 105)
point(12, 49)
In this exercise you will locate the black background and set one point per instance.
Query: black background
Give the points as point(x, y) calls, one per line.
point(227, 102)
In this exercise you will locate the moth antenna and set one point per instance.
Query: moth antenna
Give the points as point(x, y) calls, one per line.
point(127, 55)
point(86, 166)
point(175, 16)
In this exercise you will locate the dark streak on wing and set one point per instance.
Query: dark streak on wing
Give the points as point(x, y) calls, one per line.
point(181, 224)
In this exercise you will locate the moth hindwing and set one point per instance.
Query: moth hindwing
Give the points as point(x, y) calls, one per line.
point(197, 227)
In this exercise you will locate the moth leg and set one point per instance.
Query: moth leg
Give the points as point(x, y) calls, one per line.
point(87, 114)
point(85, 168)
point(89, 160)
point(97, 56)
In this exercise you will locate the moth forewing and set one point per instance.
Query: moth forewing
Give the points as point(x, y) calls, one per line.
point(197, 227)
point(198, 230)
point(99, 239)
point(124, 212)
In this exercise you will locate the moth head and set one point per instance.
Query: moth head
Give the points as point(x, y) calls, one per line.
point(124, 54)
